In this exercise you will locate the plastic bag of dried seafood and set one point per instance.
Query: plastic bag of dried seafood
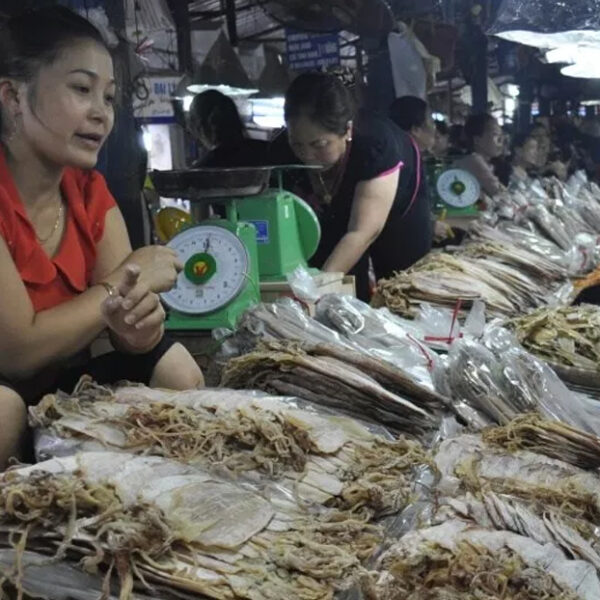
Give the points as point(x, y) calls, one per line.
point(283, 319)
point(57, 580)
point(303, 285)
point(379, 333)
point(90, 419)
point(493, 380)
point(529, 381)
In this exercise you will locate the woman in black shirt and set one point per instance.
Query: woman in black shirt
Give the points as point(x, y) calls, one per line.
point(218, 128)
point(365, 193)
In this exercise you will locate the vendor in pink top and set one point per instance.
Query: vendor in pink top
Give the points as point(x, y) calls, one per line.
point(485, 139)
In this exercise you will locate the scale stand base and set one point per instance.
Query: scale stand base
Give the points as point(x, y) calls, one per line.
point(225, 319)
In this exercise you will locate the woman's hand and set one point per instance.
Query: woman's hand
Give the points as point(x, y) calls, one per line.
point(135, 315)
point(158, 267)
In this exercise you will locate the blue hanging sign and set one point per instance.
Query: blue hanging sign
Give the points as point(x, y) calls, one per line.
point(312, 51)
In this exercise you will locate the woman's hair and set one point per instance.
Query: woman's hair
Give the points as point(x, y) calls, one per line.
point(408, 112)
point(520, 140)
point(35, 38)
point(476, 125)
point(216, 118)
point(323, 99)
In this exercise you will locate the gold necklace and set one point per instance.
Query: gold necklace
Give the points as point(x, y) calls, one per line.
point(54, 228)
point(326, 194)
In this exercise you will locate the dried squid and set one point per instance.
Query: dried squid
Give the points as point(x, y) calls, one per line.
point(157, 522)
point(568, 336)
point(323, 459)
point(458, 561)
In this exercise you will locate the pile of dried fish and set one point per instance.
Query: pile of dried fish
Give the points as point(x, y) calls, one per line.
point(341, 321)
point(550, 225)
point(442, 279)
point(316, 457)
point(456, 561)
point(510, 254)
point(283, 320)
point(548, 500)
point(349, 382)
point(508, 523)
point(494, 380)
point(173, 529)
point(556, 440)
point(568, 336)
point(531, 241)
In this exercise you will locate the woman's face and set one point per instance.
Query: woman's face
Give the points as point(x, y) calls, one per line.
point(543, 150)
point(491, 143)
point(314, 145)
point(425, 135)
point(67, 112)
point(528, 153)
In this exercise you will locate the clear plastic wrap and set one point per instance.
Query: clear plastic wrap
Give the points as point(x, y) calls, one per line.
point(70, 433)
point(57, 580)
point(493, 380)
point(525, 237)
point(588, 208)
point(283, 319)
point(550, 225)
point(379, 333)
point(576, 183)
point(303, 285)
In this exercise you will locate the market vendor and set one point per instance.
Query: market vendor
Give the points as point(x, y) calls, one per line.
point(413, 116)
point(66, 265)
point(367, 192)
point(485, 140)
point(524, 157)
point(216, 124)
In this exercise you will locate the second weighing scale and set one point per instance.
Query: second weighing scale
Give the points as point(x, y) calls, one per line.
point(456, 191)
point(264, 235)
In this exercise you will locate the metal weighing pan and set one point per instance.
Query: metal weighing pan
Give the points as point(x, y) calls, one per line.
point(201, 184)
point(210, 184)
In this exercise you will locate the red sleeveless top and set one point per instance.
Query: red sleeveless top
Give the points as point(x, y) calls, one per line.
point(51, 281)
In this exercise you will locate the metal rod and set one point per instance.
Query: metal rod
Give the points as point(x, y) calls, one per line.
point(198, 15)
point(231, 18)
point(263, 32)
point(181, 17)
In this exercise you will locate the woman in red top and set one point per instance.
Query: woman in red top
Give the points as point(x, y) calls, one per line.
point(66, 265)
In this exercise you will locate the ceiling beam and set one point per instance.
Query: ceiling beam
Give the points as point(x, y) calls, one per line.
point(260, 34)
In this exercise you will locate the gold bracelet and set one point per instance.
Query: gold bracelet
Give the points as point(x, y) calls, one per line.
point(111, 290)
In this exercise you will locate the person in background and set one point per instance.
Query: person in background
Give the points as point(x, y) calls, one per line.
point(367, 193)
point(441, 145)
point(541, 134)
point(485, 141)
point(215, 122)
point(67, 268)
point(525, 154)
point(413, 116)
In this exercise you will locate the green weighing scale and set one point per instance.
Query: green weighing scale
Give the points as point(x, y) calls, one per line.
point(265, 234)
point(455, 191)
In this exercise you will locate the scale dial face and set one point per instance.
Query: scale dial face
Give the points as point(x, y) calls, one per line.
point(216, 269)
point(458, 188)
